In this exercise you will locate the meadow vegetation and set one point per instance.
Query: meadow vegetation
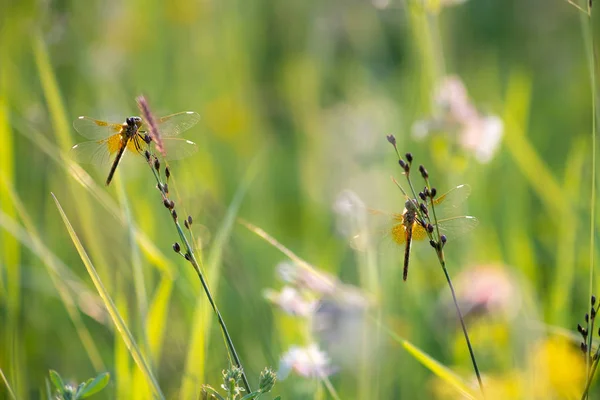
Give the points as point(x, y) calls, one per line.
point(268, 264)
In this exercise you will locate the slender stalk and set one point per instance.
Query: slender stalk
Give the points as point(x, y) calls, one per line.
point(192, 259)
point(588, 36)
point(462, 324)
point(440, 254)
point(436, 240)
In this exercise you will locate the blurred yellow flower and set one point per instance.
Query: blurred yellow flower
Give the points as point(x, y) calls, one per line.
point(558, 369)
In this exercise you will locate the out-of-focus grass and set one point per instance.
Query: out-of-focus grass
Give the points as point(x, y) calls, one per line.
point(322, 83)
point(112, 309)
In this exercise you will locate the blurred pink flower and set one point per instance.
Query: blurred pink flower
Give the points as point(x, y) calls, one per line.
point(489, 290)
point(291, 301)
point(456, 115)
point(309, 362)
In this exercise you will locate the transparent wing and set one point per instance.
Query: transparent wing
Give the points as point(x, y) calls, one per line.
point(450, 202)
point(382, 230)
point(95, 129)
point(175, 124)
point(177, 148)
point(95, 152)
point(457, 226)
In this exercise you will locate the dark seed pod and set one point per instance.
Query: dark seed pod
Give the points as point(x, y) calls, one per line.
point(171, 204)
point(423, 172)
point(174, 215)
point(433, 192)
point(429, 228)
point(409, 157)
point(167, 172)
point(423, 208)
point(176, 247)
point(444, 239)
point(391, 139)
point(587, 318)
point(189, 220)
point(185, 223)
point(165, 188)
point(583, 347)
point(433, 244)
point(402, 163)
point(147, 155)
point(156, 164)
point(593, 313)
point(167, 203)
point(422, 196)
point(593, 300)
point(188, 256)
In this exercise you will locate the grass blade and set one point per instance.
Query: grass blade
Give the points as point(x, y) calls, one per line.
point(110, 306)
point(8, 388)
point(202, 314)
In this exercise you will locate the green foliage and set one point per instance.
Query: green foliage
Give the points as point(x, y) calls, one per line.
point(231, 385)
point(296, 98)
point(82, 391)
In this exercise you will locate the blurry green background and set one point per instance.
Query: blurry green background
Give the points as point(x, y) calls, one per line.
point(296, 98)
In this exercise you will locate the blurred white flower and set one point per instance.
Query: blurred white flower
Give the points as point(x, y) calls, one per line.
point(456, 115)
point(306, 277)
point(291, 301)
point(309, 362)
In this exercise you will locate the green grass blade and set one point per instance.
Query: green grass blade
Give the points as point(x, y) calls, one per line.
point(196, 360)
point(110, 306)
point(122, 363)
point(8, 388)
point(156, 322)
point(561, 298)
point(441, 371)
point(59, 273)
point(532, 167)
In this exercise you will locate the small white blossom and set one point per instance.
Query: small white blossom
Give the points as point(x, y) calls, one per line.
point(290, 301)
point(309, 362)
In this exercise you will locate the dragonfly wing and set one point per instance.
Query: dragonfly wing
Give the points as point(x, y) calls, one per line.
point(95, 152)
point(95, 129)
point(457, 226)
point(449, 202)
point(175, 124)
point(177, 148)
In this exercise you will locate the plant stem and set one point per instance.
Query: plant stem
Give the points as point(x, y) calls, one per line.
point(441, 259)
point(462, 323)
point(192, 259)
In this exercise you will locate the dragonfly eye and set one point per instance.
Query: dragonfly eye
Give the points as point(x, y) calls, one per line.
point(128, 121)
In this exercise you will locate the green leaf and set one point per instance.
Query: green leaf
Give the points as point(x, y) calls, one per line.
point(96, 385)
point(57, 381)
point(253, 395)
point(212, 392)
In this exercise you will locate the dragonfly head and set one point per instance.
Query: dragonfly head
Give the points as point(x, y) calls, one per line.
point(410, 205)
point(134, 122)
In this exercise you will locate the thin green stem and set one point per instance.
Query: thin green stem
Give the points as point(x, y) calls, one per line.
point(589, 380)
point(440, 254)
point(588, 36)
point(192, 259)
point(462, 322)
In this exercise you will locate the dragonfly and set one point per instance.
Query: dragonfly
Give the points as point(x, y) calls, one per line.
point(113, 140)
point(405, 228)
